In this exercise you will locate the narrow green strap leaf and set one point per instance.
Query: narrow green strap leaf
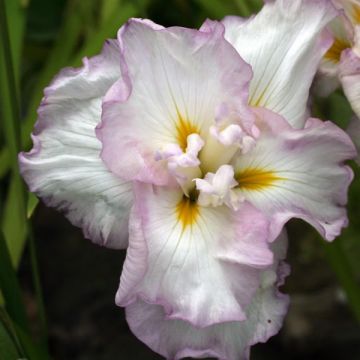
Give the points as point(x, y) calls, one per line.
point(94, 43)
point(15, 207)
point(9, 327)
point(217, 9)
point(25, 346)
point(8, 348)
point(37, 285)
point(12, 136)
point(9, 94)
point(108, 7)
point(10, 287)
point(59, 57)
point(4, 162)
point(32, 203)
point(16, 15)
point(244, 7)
point(33, 350)
point(13, 223)
point(255, 5)
point(339, 262)
point(10, 112)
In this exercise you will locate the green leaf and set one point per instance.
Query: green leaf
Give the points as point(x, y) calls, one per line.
point(32, 203)
point(59, 56)
point(10, 287)
point(33, 350)
point(255, 5)
point(8, 348)
point(13, 224)
point(108, 7)
point(335, 108)
point(15, 206)
point(44, 19)
point(94, 43)
point(15, 10)
point(340, 264)
point(24, 344)
point(244, 7)
point(217, 9)
point(9, 327)
point(4, 162)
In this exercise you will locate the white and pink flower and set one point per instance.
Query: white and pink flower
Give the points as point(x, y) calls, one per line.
point(196, 144)
point(341, 63)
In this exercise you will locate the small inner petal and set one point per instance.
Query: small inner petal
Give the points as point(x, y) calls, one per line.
point(256, 178)
point(217, 189)
point(184, 166)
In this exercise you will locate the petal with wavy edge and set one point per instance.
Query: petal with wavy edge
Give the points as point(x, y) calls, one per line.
point(298, 173)
point(176, 339)
point(64, 167)
point(284, 47)
point(186, 75)
point(180, 252)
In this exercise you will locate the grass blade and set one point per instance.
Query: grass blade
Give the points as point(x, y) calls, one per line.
point(32, 203)
point(9, 328)
point(8, 348)
point(94, 44)
point(13, 224)
point(10, 287)
point(11, 124)
point(217, 9)
point(337, 258)
point(25, 346)
point(16, 15)
point(244, 7)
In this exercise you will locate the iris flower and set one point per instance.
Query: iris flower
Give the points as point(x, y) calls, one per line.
point(341, 63)
point(192, 149)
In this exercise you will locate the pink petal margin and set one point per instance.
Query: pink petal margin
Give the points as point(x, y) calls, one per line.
point(64, 167)
point(125, 150)
point(176, 339)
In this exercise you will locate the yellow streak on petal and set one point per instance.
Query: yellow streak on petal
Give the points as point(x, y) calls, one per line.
point(187, 212)
point(355, 14)
point(256, 178)
point(259, 101)
point(184, 128)
point(334, 53)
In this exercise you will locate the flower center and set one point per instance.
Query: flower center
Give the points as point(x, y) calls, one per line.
point(203, 165)
point(187, 210)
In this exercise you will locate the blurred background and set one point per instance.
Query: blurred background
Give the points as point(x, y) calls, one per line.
point(57, 289)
